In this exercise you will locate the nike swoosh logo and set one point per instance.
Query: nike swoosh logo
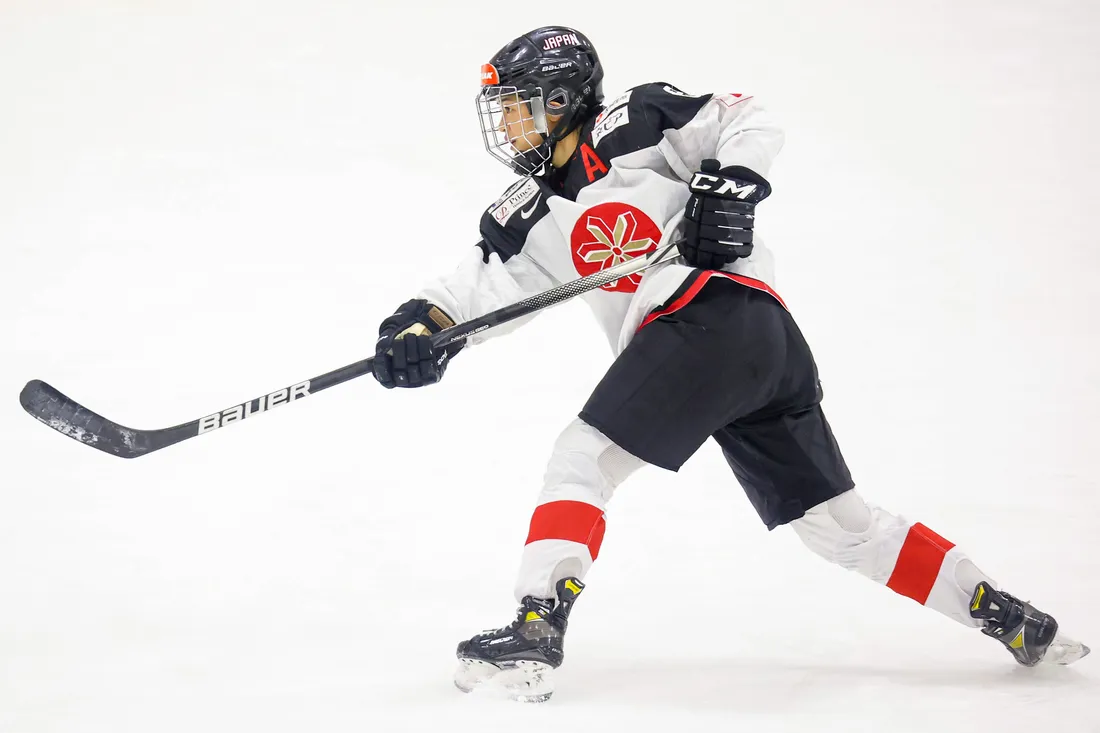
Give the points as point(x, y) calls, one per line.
point(527, 214)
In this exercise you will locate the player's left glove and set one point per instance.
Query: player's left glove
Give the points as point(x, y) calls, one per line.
point(404, 355)
point(720, 213)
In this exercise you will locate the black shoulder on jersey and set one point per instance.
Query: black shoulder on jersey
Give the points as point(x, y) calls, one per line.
point(638, 117)
point(505, 225)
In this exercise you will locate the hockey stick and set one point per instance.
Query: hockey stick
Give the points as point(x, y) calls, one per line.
point(68, 417)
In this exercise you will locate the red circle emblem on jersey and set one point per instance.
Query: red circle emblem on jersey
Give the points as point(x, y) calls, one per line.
point(608, 234)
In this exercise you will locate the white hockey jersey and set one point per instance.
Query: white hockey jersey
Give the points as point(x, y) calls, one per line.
point(622, 193)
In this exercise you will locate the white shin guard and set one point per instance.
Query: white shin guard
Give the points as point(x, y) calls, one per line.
point(568, 524)
point(908, 558)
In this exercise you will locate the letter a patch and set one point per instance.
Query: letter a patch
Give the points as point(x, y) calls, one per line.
point(592, 163)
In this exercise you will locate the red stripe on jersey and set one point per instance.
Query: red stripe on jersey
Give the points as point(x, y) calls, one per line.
point(698, 285)
point(738, 98)
point(568, 520)
point(919, 563)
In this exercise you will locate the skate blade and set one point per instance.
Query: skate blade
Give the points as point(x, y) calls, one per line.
point(522, 681)
point(1064, 650)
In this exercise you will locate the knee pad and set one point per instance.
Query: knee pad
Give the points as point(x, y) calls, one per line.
point(587, 466)
point(853, 534)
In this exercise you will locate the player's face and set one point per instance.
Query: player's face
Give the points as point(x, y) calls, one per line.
point(518, 124)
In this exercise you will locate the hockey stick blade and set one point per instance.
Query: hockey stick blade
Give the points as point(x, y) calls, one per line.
point(52, 408)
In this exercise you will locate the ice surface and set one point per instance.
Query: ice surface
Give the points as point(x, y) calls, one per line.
point(201, 199)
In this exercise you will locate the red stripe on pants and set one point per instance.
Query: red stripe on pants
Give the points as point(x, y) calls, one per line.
point(696, 286)
point(919, 563)
point(568, 520)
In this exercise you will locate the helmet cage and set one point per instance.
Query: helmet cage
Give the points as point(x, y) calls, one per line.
point(508, 115)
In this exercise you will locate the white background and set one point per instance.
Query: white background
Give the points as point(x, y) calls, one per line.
point(204, 201)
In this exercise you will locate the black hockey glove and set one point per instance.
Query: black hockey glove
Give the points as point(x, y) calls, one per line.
point(403, 356)
point(719, 215)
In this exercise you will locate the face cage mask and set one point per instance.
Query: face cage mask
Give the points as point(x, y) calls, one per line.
point(514, 129)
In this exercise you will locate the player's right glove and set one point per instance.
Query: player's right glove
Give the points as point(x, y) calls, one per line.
point(403, 355)
point(720, 213)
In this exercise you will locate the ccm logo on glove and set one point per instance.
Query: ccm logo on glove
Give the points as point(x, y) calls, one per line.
point(720, 214)
point(722, 186)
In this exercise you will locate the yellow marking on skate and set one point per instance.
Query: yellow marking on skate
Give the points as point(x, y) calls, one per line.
point(573, 587)
point(532, 616)
point(978, 598)
point(1018, 642)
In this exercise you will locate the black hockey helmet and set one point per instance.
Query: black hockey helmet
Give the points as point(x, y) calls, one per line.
point(551, 71)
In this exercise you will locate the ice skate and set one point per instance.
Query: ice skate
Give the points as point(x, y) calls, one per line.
point(520, 658)
point(1029, 634)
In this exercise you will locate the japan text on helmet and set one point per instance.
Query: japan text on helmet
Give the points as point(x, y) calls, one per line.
point(552, 71)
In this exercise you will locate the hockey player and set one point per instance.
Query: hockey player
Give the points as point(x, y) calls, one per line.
point(704, 345)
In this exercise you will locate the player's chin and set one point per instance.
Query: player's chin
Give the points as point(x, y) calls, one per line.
point(525, 143)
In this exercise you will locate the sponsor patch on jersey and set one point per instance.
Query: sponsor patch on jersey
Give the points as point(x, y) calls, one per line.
point(617, 102)
point(611, 233)
point(612, 119)
point(513, 200)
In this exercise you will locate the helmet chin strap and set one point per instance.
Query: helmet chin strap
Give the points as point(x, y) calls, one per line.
point(556, 137)
point(540, 157)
